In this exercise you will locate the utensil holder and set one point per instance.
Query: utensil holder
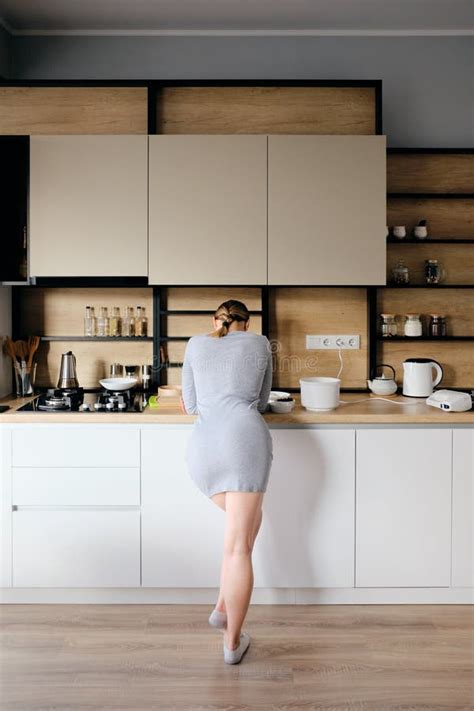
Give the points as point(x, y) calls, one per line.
point(24, 378)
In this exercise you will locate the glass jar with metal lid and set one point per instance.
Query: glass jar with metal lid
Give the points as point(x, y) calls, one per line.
point(389, 325)
point(437, 327)
point(413, 325)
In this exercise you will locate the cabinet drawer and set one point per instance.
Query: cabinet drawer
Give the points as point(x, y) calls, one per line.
point(79, 548)
point(75, 486)
point(61, 446)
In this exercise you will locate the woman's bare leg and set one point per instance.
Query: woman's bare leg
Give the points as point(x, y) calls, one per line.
point(242, 517)
point(220, 604)
point(219, 500)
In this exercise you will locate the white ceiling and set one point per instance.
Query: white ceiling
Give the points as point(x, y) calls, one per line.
point(238, 16)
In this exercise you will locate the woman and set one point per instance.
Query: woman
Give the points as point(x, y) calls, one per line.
point(227, 378)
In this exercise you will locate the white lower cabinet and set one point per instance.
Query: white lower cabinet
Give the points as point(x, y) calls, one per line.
point(307, 534)
point(403, 507)
point(182, 530)
point(463, 509)
point(74, 548)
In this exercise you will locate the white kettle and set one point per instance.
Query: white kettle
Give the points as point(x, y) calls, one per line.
point(418, 378)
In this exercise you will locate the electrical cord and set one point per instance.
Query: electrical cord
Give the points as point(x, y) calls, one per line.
point(370, 398)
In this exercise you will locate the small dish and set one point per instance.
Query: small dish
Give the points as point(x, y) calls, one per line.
point(281, 406)
point(118, 384)
point(277, 394)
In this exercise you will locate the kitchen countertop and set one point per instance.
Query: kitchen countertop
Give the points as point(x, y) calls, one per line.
point(371, 411)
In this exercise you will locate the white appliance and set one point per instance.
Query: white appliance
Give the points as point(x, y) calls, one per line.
point(450, 401)
point(418, 378)
point(320, 394)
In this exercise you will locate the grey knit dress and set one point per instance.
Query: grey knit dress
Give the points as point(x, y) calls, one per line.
point(227, 382)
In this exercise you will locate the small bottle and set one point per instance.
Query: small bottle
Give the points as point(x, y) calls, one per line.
point(116, 322)
point(437, 328)
point(141, 322)
point(90, 322)
point(103, 322)
point(128, 323)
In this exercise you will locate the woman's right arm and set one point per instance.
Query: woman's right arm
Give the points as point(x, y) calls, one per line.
point(267, 382)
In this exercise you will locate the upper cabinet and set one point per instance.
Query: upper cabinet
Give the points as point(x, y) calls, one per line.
point(326, 210)
point(208, 209)
point(88, 206)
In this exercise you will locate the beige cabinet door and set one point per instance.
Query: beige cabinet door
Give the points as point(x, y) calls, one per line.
point(88, 205)
point(326, 210)
point(208, 210)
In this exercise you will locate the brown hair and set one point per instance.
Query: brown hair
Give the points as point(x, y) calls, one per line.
point(227, 312)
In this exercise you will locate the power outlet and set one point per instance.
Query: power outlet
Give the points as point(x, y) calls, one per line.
point(332, 342)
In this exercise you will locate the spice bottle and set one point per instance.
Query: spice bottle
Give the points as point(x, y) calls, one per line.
point(128, 323)
point(141, 322)
point(437, 328)
point(116, 322)
point(90, 322)
point(103, 322)
point(413, 325)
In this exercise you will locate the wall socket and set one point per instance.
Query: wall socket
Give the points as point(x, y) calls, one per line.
point(332, 342)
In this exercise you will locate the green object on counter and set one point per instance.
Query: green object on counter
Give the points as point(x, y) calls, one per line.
point(153, 401)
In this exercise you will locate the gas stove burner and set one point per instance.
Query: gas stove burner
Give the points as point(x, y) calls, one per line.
point(61, 399)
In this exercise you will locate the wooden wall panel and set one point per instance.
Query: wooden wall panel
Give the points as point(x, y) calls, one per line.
point(257, 110)
point(455, 358)
point(296, 312)
point(430, 173)
point(210, 297)
point(457, 260)
point(446, 217)
point(457, 305)
point(73, 110)
point(60, 311)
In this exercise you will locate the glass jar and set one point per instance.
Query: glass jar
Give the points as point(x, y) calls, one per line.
point(90, 322)
point(400, 274)
point(389, 325)
point(413, 325)
point(433, 271)
point(437, 327)
point(103, 322)
point(116, 322)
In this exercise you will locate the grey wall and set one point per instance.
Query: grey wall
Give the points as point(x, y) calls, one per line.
point(426, 80)
point(4, 53)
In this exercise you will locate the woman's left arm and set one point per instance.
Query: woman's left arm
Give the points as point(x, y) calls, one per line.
point(188, 399)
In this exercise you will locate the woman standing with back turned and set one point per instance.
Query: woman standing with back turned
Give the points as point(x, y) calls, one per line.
point(227, 377)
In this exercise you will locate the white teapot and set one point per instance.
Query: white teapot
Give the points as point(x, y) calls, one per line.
point(383, 384)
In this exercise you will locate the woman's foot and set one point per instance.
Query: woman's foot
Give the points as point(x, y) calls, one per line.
point(234, 656)
point(218, 619)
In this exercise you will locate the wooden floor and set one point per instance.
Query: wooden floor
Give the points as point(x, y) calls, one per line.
point(163, 657)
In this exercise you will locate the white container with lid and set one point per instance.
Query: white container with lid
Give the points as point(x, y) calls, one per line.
point(320, 394)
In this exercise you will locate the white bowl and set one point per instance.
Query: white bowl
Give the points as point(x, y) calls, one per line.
point(320, 394)
point(281, 406)
point(275, 394)
point(117, 384)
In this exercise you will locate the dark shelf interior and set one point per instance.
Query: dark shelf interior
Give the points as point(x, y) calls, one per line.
point(387, 339)
point(426, 286)
point(428, 196)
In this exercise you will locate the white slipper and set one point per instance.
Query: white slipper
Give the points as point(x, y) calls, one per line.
point(218, 619)
point(233, 656)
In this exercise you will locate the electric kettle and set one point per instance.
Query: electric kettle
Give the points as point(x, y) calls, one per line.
point(418, 378)
point(67, 371)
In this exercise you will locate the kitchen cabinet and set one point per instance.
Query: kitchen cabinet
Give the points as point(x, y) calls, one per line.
point(182, 530)
point(403, 508)
point(88, 206)
point(463, 508)
point(208, 210)
point(326, 210)
point(307, 533)
point(74, 548)
point(306, 539)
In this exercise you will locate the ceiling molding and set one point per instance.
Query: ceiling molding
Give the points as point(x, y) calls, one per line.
point(239, 33)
